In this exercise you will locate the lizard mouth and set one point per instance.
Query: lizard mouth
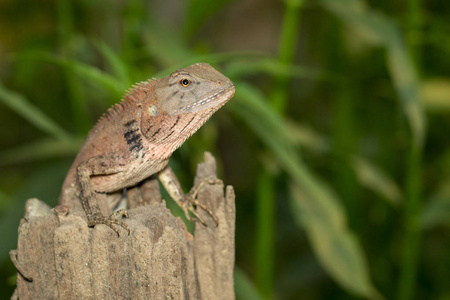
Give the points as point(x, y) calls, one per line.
point(220, 97)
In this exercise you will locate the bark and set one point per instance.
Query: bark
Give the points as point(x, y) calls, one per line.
point(59, 257)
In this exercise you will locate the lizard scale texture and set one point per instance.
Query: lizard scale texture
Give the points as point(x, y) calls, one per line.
point(135, 138)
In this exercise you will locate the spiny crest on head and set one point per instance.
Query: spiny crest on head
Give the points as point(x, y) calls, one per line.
point(132, 96)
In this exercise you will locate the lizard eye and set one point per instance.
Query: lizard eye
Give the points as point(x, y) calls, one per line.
point(185, 82)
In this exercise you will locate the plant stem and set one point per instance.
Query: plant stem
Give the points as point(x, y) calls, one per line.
point(414, 35)
point(265, 220)
point(412, 239)
point(75, 93)
point(411, 242)
point(266, 186)
point(286, 50)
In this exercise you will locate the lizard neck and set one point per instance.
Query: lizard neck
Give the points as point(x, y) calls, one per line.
point(170, 131)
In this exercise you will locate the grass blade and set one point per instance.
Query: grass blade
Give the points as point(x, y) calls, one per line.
point(322, 203)
point(266, 65)
point(335, 246)
point(436, 212)
point(119, 67)
point(435, 95)
point(244, 288)
point(400, 64)
point(265, 233)
point(199, 11)
point(286, 49)
point(32, 114)
point(89, 73)
point(383, 31)
point(368, 174)
point(376, 180)
point(43, 149)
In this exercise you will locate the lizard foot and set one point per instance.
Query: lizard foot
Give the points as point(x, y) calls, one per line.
point(190, 201)
point(110, 221)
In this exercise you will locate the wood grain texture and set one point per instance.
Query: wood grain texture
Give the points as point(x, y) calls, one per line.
point(59, 257)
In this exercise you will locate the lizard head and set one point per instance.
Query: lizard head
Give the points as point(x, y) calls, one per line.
point(193, 89)
point(183, 102)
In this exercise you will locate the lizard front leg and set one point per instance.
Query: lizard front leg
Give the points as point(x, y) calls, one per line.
point(188, 201)
point(99, 165)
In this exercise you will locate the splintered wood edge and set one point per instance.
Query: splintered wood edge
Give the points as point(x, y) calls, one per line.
point(214, 245)
point(209, 256)
point(92, 262)
point(35, 208)
point(206, 169)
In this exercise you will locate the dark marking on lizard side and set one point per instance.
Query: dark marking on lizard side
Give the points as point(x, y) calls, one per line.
point(156, 132)
point(150, 126)
point(133, 137)
point(176, 122)
point(168, 136)
point(130, 123)
point(187, 124)
point(136, 147)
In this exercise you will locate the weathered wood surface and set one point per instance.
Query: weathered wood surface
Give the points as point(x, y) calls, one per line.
point(59, 257)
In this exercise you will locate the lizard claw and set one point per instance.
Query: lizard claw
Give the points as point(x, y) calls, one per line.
point(189, 207)
point(190, 200)
point(110, 221)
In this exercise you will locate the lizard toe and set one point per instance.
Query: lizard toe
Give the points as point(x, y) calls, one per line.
point(121, 212)
point(110, 221)
point(190, 204)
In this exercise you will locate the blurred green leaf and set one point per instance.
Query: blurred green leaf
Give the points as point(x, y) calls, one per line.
point(5, 200)
point(406, 83)
point(94, 76)
point(68, 44)
point(165, 46)
point(255, 104)
point(367, 173)
point(265, 234)
point(382, 30)
point(376, 180)
point(199, 11)
point(45, 184)
point(370, 25)
point(265, 65)
point(435, 94)
point(213, 58)
point(244, 288)
point(436, 212)
point(344, 261)
point(89, 73)
point(39, 150)
point(335, 246)
point(308, 138)
point(118, 66)
point(19, 104)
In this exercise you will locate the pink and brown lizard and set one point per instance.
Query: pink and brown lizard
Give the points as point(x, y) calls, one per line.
point(136, 138)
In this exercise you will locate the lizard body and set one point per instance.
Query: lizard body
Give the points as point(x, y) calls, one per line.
point(136, 138)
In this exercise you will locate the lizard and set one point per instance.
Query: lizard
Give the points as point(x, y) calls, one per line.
point(135, 138)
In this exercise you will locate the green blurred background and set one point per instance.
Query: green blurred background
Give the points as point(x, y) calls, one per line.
point(336, 141)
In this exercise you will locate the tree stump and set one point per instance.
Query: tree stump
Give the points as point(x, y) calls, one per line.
point(59, 257)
